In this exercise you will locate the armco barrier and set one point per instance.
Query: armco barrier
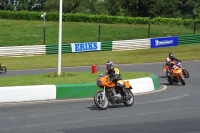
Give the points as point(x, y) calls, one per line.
point(120, 45)
point(53, 48)
point(23, 50)
point(134, 44)
point(189, 39)
point(68, 91)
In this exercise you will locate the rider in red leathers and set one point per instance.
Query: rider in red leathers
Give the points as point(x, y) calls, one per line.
point(170, 63)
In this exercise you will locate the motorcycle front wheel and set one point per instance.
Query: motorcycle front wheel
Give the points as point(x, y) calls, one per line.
point(182, 80)
point(185, 73)
point(130, 98)
point(101, 103)
point(3, 69)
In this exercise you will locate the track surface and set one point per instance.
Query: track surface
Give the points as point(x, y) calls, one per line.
point(175, 109)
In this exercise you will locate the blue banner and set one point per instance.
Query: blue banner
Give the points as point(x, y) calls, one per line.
point(164, 42)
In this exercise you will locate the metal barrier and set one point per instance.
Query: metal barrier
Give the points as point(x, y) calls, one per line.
point(131, 44)
point(189, 39)
point(23, 50)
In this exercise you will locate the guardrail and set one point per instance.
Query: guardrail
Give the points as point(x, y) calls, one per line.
point(130, 44)
point(23, 50)
point(189, 39)
point(120, 45)
point(66, 48)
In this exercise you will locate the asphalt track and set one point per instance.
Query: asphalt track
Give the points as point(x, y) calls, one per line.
point(175, 109)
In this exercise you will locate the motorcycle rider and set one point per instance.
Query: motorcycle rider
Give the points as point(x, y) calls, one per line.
point(170, 63)
point(114, 76)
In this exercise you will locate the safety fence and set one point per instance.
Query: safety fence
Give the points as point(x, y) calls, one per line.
point(130, 44)
point(121, 45)
point(189, 39)
point(23, 50)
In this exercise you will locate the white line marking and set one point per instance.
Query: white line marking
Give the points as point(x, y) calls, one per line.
point(164, 100)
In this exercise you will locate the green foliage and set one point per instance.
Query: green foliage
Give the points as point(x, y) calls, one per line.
point(131, 8)
point(77, 17)
point(160, 20)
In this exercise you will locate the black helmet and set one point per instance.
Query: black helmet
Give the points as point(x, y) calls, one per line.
point(110, 65)
point(171, 55)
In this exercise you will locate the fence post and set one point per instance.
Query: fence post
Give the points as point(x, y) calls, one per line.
point(99, 33)
point(149, 30)
point(194, 27)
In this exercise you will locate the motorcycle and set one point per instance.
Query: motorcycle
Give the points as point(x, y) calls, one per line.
point(3, 68)
point(108, 91)
point(185, 72)
point(176, 76)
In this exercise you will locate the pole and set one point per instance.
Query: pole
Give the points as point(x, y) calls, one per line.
point(60, 38)
point(43, 16)
point(194, 27)
point(149, 30)
point(44, 32)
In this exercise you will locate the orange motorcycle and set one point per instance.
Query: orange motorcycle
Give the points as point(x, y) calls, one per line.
point(109, 93)
point(184, 71)
point(176, 76)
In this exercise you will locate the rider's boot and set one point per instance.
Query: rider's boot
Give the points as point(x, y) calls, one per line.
point(121, 88)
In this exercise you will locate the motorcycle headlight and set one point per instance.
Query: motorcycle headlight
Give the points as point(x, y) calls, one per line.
point(98, 82)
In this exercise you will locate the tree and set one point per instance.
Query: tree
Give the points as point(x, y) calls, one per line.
point(78, 6)
point(112, 6)
point(130, 7)
point(18, 5)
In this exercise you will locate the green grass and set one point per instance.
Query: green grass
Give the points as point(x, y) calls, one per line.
point(23, 32)
point(186, 52)
point(78, 77)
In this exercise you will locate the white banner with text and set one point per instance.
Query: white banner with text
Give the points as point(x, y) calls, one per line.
point(87, 46)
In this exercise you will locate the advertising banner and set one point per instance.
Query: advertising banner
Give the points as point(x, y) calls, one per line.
point(87, 46)
point(164, 42)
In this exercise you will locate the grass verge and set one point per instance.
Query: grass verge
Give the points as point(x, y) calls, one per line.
point(185, 52)
point(70, 78)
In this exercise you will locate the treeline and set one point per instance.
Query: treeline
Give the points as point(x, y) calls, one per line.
point(131, 8)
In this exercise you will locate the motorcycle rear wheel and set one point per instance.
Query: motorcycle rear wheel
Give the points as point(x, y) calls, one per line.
point(130, 100)
point(182, 80)
point(185, 73)
point(101, 103)
point(3, 69)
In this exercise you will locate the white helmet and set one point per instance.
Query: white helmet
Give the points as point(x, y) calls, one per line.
point(110, 65)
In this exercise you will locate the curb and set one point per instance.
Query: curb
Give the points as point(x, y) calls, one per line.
point(69, 91)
